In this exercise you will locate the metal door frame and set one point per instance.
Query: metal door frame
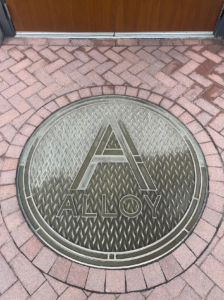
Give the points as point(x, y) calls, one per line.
point(5, 20)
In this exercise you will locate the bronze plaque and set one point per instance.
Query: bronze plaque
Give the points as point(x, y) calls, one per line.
point(112, 182)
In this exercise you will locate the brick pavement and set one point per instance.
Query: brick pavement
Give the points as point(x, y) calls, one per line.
point(37, 77)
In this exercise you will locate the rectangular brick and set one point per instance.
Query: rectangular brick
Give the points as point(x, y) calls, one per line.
point(8, 132)
point(60, 268)
point(10, 164)
point(97, 56)
point(26, 77)
point(36, 41)
point(49, 90)
point(149, 42)
point(211, 109)
point(130, 56)
point(33, 89)
point(183, 79)
point(61, 42)
point(96, 280)
point(193, 109)
point(16, 54)
point(113, 79)
point(153, 275)
point(45, 291)
point(30, 277)
point(184, 256)
point(68, 68)
point(89, 66)
point(205, 230)
point(21, 234)
point(162, 56)
point(7, 64)
point(9, 206)
point(200, 79)
point(131, 79)
point(32, 247)
point(206, 67)
point(7, 278)
point(62, 78)
point(65, 55)
point(8, 116)
point(4, 235)
point(198, 281)
point(37, 66)
point(155, 67)
point(95, 78)
point(215, 270)
point(170, 267)
point(44, 77)
point(212, 56)
point(3, 85)
point(189, 67)
point(81, 80)
point(62, 101)
point(7, 191)
point(102, 68)
point(55, 66)
point(81, 56)
point(216, 78)
point(218, 123)
point(9, 77)
point(176, 91)
point(4, 105)
point(193, 92)
point(178, 56)
point(32, 54)
point(19, 121)
point(196, 57)
point(165, 79)
point(45, 259)
point(135, 69)
point(48, 54)
point(147, 78)
point(21, 65)
point(82, 42)
point(19, 103)
point(142, 54)
point(3, 55)
point(77, 275)
point(68, 89)
point(113, 56)
point(126, 42)
point(212, 92)
point(11, 91)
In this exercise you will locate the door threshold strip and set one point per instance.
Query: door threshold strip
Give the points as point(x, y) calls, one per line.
point(111, 35)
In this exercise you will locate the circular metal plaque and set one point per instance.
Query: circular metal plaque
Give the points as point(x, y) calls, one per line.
point(112, 182)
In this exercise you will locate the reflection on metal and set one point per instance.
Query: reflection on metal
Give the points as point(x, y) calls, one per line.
point(112, 182)
point(99, 154)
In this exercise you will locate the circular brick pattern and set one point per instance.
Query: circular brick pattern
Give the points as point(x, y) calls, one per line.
point(36, 71)
point(141, 278)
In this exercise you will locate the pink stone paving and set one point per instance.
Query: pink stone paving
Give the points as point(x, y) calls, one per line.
point(38, 77)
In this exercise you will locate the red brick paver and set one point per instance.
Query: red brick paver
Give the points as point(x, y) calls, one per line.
point(37, 77)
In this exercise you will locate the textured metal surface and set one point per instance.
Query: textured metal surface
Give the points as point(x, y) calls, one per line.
point(110, 178)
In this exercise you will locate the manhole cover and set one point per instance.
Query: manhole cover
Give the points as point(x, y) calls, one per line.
point(112, 182)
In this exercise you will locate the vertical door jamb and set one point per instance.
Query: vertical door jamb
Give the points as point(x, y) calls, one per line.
point(5, 20)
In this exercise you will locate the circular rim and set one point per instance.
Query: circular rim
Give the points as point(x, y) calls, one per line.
point(118, 260)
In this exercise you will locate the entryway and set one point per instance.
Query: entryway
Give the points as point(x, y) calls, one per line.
point(114, 16)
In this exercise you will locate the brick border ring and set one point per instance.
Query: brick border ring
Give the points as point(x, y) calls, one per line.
point(163, 270)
